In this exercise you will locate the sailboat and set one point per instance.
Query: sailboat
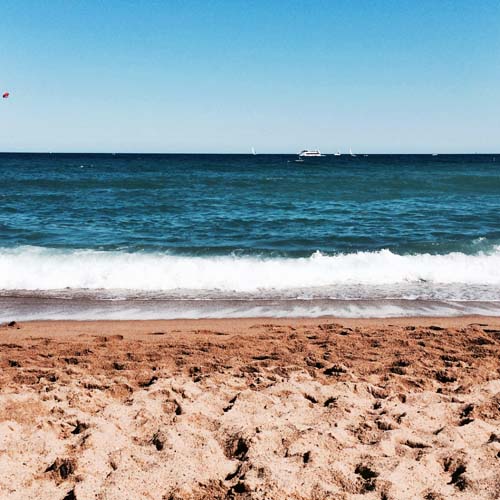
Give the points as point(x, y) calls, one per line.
point(337, 153)
point(351, 153)
point(253, 151)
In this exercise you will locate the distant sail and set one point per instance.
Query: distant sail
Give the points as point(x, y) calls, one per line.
point(253, 151)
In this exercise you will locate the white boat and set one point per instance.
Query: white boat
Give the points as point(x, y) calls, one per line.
point(315, 153)
point(253, 151)
point(351, 153)
point(337, 153)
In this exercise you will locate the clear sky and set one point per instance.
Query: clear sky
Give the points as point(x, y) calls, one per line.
point(223, 76)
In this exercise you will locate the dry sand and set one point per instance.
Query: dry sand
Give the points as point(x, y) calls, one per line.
point(251, 409)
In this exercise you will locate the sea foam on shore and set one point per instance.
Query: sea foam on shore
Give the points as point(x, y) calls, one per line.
point(45, 283)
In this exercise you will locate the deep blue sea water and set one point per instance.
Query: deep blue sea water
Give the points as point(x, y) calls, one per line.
point(223, 235)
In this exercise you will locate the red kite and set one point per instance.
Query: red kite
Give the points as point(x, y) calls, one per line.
point(5, 95)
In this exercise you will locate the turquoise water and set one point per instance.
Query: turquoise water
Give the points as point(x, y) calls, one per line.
point(264, 205)
point(242, 227)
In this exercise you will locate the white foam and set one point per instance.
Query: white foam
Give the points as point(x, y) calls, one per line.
point(26, 309)
point(36, 268)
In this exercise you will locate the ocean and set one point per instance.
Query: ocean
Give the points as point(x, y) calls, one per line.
point(93, 236)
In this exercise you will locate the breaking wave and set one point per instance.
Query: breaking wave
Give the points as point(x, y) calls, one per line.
point(37, 268)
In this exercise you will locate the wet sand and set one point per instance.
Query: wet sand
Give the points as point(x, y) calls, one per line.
point(251, 409)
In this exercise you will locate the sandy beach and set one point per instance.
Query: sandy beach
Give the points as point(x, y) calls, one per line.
point(249, 408)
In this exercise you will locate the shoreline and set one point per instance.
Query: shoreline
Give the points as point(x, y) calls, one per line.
point(137, 325)
point(87, 309)
point(251, 408)
point(399, 319)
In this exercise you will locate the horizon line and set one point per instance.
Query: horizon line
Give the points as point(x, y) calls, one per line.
point(357, 153)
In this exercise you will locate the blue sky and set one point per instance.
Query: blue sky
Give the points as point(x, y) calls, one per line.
point(223, 76)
